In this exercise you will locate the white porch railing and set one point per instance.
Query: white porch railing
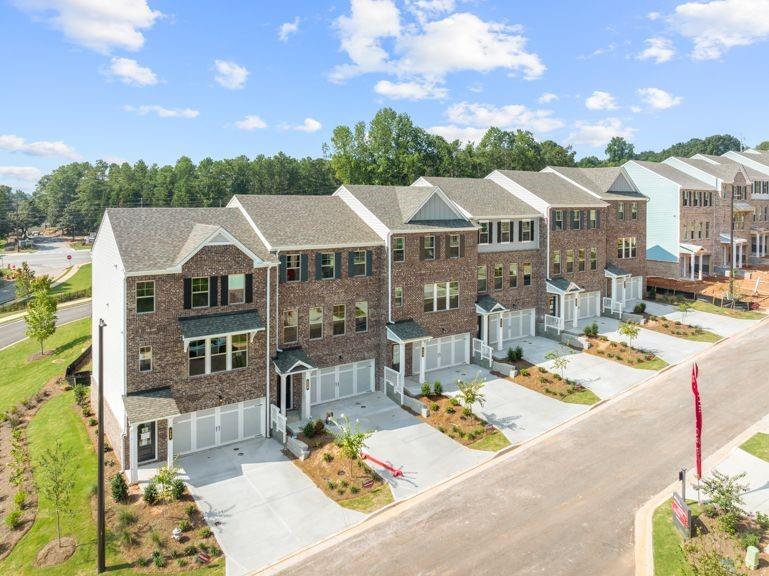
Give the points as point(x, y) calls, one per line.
point(483, 350)
point(614, 306)
point(394, 379)
point(554, 322)
point(278, 420)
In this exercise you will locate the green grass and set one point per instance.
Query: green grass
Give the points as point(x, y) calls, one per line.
point(491, 443)
point(585, 396)
point(669, 558)
point(758, 445)
point(80, 246)
point(656, 364)
point(704, 336)
point(371, 501)
point(20, 379)
point(80, 281)
point(713, 309)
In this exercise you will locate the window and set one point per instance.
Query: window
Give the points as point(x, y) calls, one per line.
point(338, 319)
point(576, 219)
point(399, 249)
point(620, 210)
point(359, 263)
point(527, 274)
point(145, 297)
point(361, 316)
point(218, 354)
point(707, 228)
point(482, 286)
point(239, 353)
point(316, 322)
point(737, 192)
point(429, 298)
point(483, 233)
point(581, 260)
point(504, 232)
point(145, 358)
point(699, 231)
point(626, 247)
point(396, 363)
point(441, 293)
point(569, 261)
point(290, 326)
point(327, 265)
point(593, 259)
point(236, 288)
point(196, 354)
point(398, 296)
point(199, 292)
point(592, 220)
point(685, 198)
point(428, 248)
point(513, 274)
point(499, 278)
point(526, 231)
point(453, 247)
point(293, 268)
point(634, 211)
point(441, 296)
point(696, 198)
point(453, 295)
point(558, 219)
point(556, 262)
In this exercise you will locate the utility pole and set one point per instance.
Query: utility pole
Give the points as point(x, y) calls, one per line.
point(101, 564)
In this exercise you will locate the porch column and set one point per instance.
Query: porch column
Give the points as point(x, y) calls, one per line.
point(691, 268)
point(170, 444)
point(700, 275)
point(741, 250)
point(499, 331)
point(576, 311)
point(422, 352)
point(614, 288)
point(306, 398)
point(485, 328)
point(133, 444)
point(734, 255)
point(562, 311)
point(402, 363)
point(283, 394)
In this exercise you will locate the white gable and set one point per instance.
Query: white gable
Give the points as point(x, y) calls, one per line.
point(435, 209)
point(621, 184)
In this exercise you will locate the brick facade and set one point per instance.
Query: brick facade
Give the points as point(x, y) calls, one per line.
point(624, 228)
point(568, 239)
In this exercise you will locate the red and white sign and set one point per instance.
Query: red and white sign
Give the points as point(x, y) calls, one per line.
point(682, 515)
point(69, 256)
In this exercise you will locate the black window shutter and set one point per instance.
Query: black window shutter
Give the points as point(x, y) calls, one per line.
point(187, 293)
point(421, 247)
point(303, 266)
point(369, 261)
point(552, 220)
point(213, 290)
point(597, 218)
point(437, 247)
point(446, 244)
point(337, 265)
point(225, 295)
point(249, 288)
point(282, 270)
point(350, 263)
point(499, 232)
point(317, 265)
point(461, 246)
point(582, 214)
point(520, 231)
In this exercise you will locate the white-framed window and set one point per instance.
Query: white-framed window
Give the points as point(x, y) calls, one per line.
point(556, 262)
point(218, 347)
point(513, 275)
point(196, 354)
point(569, 261)
point(454, 246)
point(558, 219)
point(428, 248)
point(592, 219)
point(441, 296)
point(293, 268)
point(527, 231)
point(581, 260)
point(527, 274)
point(217, 354)
point(626, 247)
point(316, 322)
point(429, 298)
point(290, 326)
point(453, 295)
point(499, 277)
point(482, 281)
point(145, 297)
point(145, 358)
point(620, 210)
point(398, 296)
point(200, 292)
point(361, 316)
point(359, 263)
point(634, 210)
point(686, 194)
point(696, 198)
point(593, 259)
point(338, 320)
point(327, 265)
point(399, 249)
point(576, 219)
point(239, 351)
point(483, 233)
point(236, 288)
point(504, 232)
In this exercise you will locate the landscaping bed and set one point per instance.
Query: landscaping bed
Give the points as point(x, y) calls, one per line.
point(351, 484)
point(624, 354)
point(448, 416)
point(679, 329)
point(541, 380)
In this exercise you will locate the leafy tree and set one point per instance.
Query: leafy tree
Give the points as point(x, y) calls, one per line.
point(164, 480)
point(560, 361)
point(23, 216)
point(25, 276)
point(554, 154)
point(589, 162)
point(6, 206)
point(629, 330)
point(683, 307)
point(619, 151)
point(57, 480)
point(350, 439)
point(41, 317)
point(72, 220)
point(763, 145)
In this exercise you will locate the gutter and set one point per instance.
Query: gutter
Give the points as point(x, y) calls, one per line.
point(267, 360)
point(388, 254)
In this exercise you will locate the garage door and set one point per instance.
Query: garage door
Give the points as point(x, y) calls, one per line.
point(342, 381)
point(515, 324)
point(217, 426)
point(443, 352)
point(589, 304)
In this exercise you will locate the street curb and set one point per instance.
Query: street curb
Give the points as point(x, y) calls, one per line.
point(18, 316)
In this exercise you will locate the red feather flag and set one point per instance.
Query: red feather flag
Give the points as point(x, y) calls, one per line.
point(697, 419)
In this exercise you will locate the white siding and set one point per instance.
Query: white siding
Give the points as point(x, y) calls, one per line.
point(108, 303)
point(510, 246)
point(364, 213)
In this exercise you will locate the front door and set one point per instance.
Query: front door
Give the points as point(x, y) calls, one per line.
point(289, 391)
point(146, 442)
point(553, 304)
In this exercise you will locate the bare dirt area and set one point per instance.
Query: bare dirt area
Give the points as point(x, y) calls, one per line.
point(541, 380)
point(449, 417)
point(55, 552)
point(716, 288)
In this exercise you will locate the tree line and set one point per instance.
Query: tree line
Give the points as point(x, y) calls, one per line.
point(390, 149)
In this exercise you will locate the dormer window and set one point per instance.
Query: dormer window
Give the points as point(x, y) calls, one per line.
point(483, 233)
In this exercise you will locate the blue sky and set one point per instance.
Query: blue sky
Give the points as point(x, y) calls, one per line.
point(131, 79)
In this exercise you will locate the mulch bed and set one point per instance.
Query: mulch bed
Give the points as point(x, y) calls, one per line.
point(618, 351)
point(716, 287)
point(541, 380)
point(670, 327)
point(450, 418)
point(709, 536)
point(56, 552)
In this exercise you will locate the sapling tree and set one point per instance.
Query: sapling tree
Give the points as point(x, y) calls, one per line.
point(350, 439)
point(472, 392)
point(560, 361)
point(683, 307)
point(41, 317)
point(57, 480)
point(629, 330)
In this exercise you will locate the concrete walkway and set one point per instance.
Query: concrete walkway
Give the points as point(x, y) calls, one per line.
point(757, 470)
point(716, 323)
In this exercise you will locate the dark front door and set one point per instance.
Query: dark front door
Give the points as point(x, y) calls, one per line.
point(289, 394)
point(146, 441)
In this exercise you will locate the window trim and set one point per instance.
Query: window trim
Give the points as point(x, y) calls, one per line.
point(592, 219)
point(499, 279)
point(527, 230)
point(311, 324)
point(557, 264)
point(620, 210)
point(593, 257)
point(402, 250)
point(286, 314)
point(450, 247)
point(512, 281)
point(484, 229)
point(229, 354)
point(145, 297)
point(576, 223)
point(447, 287)
point(558, 219)
point(485, 278)
point(581, 260)
point(502, 232)
point(355, 255)
point(398, 300)
point(297, 268)
point(334, 321)
point(634, 210)
point(332, 265)
point(570, 261)
point(207, 291)
point(141, 350)
point(358, 307)
point(426, 249)
point(527, 277)
point(229, 290)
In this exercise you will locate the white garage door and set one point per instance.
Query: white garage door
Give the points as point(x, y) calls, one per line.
point(589, 304)
point(216, 426)
point(515, 324)
point(342, 381)
point(442, 352)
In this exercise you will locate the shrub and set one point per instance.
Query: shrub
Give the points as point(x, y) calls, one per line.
point(451, 410)
point(515, 354)
point(466, 411)
point(13, 519)
point(710, 510)
point(81, 394)
point(156, 539)
point(182, 562)
point(319, 426)
point(125, 517)
point(542, 370)
point(191, 550)
point(331, 484)
point(119, 488)
point(434, 406)
point(309, 429)
point(639, 308)
point(190, 511)
point(354, 489)
point(543, 380)
point(729, 522)
point(178, 489)
point(454, 401)
point(437, 388)
point(214, 551)
point(184, 525)
point(591, 330)
point(327, 457)
point(92, 421)
point(762, 520)
point(425, 389)
point(206, 532)
point(471, 436)
point(158, 559)
point(20, 499)
point(143, 562)
point(150, 495)
point(750, 539)
point(524, 372)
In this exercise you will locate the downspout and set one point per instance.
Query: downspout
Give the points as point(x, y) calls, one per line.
point(389, 278)
point(277, 309)
point(267, 359)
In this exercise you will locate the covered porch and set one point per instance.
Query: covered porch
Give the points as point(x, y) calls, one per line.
point(692, 261)
point(562, 303)
point(150, 417)
point(294, 370)
point(500, 326)
point(733, 255)
point(403, 333)
point(623, 289)
point(758, 238)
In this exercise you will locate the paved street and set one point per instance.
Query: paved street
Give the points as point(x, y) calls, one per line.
point(566, 504)
point(11, 332)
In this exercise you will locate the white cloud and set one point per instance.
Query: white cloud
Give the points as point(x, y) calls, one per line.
point(287, 29)
point(659, 99)
point(410, 90)
point(599, 52)
point(599, 133)
point(131, 72)
point(230, 75)
point(658, 49)
point(601, 100)
point(57, 148)
point(309, 125)
point(512, 116)
point(636, 109)
point(97, 25)
point(424, 9)
point(654, 15)
point(719, 25)
point(547, 98)
point(251, 122)
point(477, 88)
point(461, 133)
point(20, 173)
point(162, 112)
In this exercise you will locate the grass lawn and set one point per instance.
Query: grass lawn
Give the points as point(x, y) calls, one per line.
point(491, 443)
point(371, 501)
point(21, 379)
point(80, 246)
point(739, 314)
point(758, 445)
point(656, 364)
point(667, 540)
point(80, 281)
point(585, 396)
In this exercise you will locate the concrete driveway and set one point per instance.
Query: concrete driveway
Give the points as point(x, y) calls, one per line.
point(716, 323)
point(425, 455)
point(536, 348)
point(259, 504)
point(604, 377)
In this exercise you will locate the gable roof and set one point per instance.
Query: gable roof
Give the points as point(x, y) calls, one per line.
point(725, 172)
point(675, 175)
point(553, 189)
point(299, 221)
point(750, 172)
point(395, 206)
point(599, 181)
point(759, 156)
point(159, 239)
point(482, 198)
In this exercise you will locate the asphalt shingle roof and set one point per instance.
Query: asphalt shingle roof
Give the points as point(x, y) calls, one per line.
point(487, 303)
point(152, 239)
point(286, 360)
point(482, 198)
point(553, 189)
point(726, 171)
point(598, 180)
point(292, 221)
point(150, 405)
point(673, 174)
point(216, 324)
point(407, 330)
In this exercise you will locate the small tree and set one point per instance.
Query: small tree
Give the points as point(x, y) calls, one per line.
point(24, 278)
point(683, 307)
point(350, 439)
point(165, 479)
point(41, 317)
point(57, 480)
point(560, 361)
point(472, 392)
point(629, 330)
